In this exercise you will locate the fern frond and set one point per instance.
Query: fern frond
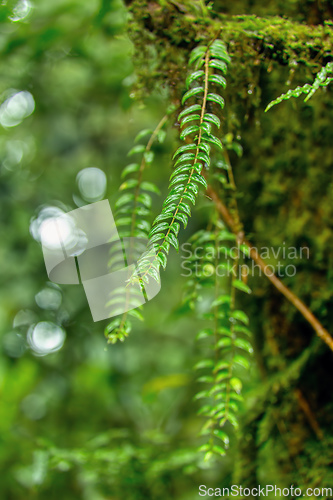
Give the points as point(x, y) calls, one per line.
point(192, 159)
point(322, 80)
point(226, 336)
point(131, 216)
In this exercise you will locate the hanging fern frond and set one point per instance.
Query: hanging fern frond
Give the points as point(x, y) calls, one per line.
point(226, 334)
point(191, 159)
point(322, 80)
point(132, 211)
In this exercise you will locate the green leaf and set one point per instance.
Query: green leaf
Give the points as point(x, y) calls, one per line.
point(129, 184)
point(143, 134)
point(143, 224)
point(182, 218)
point(185, 208)
point(193, 187)
point(225, 342)
point(159, 228)
point(201, 395)
point(223, 375)
point(208, 456)
point(189, 130)
point(222, 435)
point(135, 314)
point(218, 80)
point(209, 117)
point(242, 329)
point(124, 221)
point(171, 198)
point(185, 157)
point(190, 109)
point(156, 237)
point(140, 148)
point(205, 363)
point(189, 118)
point(244, 344)
point(203, 334)
point(111, 326)
point(216, 98)
point(194, 76)
point(237, 148)
point(166, 247)
point(213, 140)
point(171, 238)
point(177, 179)
point(233, 420)
point(217, 64)
point(205, 147)
point(163, 259)
point(149, 186)
point(223, 330)
point(241, 286)
point(240, 316)
point(163, 217)
point(154, 274)
point(206, 127)
point(219, 450)
point(189, 196)
point(242, 361)
point(222, 299)
point(219, 50)
point(161, 135)
point(236, 384)
point(191, 93)
point(221, 365)
point(145, 199)
point(204, 447)
point(132, 167)
point(197, 53)
point(200, 179)
point(124, 199)
point(148, 156)
point(180, 170)
point(175, 226)
point(183, 149)
point(206, 379)
point(203, 157)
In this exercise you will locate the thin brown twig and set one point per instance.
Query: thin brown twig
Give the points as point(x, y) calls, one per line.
point(305, 406)
point(255, 256)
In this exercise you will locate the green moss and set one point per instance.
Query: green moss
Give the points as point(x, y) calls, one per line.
point(163, 36)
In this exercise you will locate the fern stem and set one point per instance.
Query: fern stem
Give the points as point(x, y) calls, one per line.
point(216, 294)
point(231, 365)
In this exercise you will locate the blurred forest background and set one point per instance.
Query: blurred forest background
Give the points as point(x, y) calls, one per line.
point(82, 419)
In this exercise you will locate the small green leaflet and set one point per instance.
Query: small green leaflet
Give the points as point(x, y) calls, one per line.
point(241, 286)
point(193, 76)
point(190, 109)
point(192, 92)
point(189, 130)
point(216, 98)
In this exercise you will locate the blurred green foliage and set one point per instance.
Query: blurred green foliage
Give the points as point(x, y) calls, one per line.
point(97, 422)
